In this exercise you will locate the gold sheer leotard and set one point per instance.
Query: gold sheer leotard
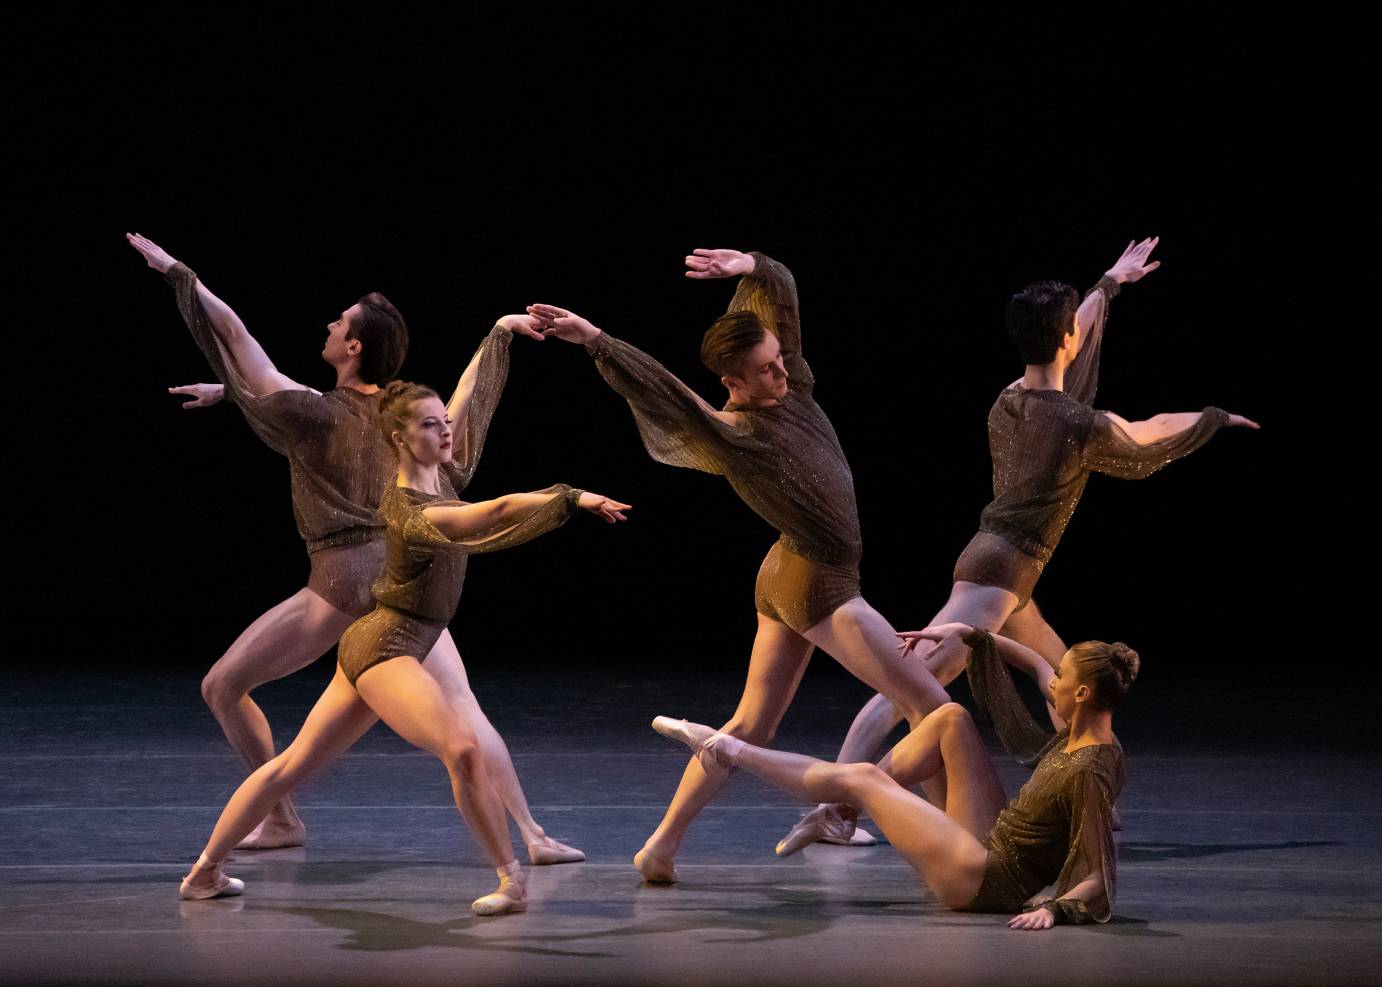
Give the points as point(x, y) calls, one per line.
point(784, 461)
point(1044, 445)
point(420, 588)
point(338, 461)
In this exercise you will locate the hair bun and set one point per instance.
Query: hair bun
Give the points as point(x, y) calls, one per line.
point(394, 388)
point(1125, 660)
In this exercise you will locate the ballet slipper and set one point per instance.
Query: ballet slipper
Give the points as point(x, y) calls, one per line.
point(861, 837)
point(510, 897)
point(655, 870)
point(549, 851)
point(820, 822)
point(273, 837)
point(221, 887)
point(715, 751)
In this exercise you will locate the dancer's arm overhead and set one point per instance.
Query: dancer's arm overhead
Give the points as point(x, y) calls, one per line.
point(768, 290)
point(472, 404)
point(278, 408)
point(678, 427)
point(494, 525)
point(1133, 450)
point(1082, 376)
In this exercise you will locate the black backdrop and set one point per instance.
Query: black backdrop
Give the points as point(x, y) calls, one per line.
point(912, 172)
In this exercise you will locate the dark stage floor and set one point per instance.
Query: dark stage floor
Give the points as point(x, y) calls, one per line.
point(1236, 866)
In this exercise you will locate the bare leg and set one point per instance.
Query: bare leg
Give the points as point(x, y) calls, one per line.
point(445, 666)
point(286, 638)
point(779, 659)
point(1028, 626)
point(978, 606)
point(942, 850)
point(339, 718)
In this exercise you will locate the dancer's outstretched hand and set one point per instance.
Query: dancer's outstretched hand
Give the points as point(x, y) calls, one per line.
point(526, 325)
point(1040, 918)
point(158, 258)
point(1244, 422)
point(702, 263)
point(1133, 266)
point(936, 632)
point(202, 395)
point(563, 324)
point(607, 508)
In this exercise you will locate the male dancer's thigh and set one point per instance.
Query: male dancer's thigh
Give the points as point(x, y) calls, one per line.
point(778, 662)
point(861, 639)
point(1028, 626)
point(281, 641)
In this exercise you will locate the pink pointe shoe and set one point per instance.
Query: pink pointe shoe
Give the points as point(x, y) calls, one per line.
point(509, 898)
point(715, 751)
point(823, 823)
point(222, 887)
point(655, 870)
point(549, 851)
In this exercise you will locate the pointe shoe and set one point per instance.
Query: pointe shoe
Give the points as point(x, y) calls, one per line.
point(817, 824)
point(861, 837)
point(550, 851)
point(655, 870)
point(224, 887)
point(266, 837)
point(715, 751)
point(509, 898)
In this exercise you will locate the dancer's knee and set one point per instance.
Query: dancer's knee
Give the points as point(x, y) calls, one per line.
point(953, 718)
point(220, 693)
point(461, 753)
point(857, 780)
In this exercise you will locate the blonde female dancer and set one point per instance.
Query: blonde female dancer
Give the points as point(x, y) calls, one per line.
point(380, 674)
point(339, 464)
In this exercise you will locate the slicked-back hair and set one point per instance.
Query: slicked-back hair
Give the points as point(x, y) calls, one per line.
point(396, 405)
point(383, 338)
point(1038, 318)
point(729, 339)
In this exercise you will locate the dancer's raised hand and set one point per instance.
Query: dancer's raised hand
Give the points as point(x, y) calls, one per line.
point(563, 324)
point(703, 263)
point(936, 632)
point(202, 395)
point(1241, 421)
point(158, 258)
point(525, 325)
point(1133, 265)
point(605, 507)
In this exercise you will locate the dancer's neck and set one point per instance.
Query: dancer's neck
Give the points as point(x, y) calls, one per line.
point(416, 476)
point(1090, 727)
point(348, 376)
point(1045, 376)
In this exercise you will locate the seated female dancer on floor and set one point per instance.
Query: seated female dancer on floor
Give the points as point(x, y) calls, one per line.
point(975, 854)
point(430, 536)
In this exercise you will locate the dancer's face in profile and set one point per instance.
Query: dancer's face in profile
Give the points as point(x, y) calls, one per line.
point(428, 435)
point(338, 348)
point(761, 377)
point(1066, 690)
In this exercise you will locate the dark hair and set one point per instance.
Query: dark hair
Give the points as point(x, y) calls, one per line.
point(383, 338)
point(728, 341)
point(1038, 318)
point(396, 405)
point(1108, 669)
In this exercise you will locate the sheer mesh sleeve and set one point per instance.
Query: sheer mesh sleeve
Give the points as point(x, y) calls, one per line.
point(1082, 376)
point(1109, 449)
point(280, 419)
point(1093, 854)
point(492, 372)
point(548, 517)
point(997, 698)
point(677, 427)
point(770, 293)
